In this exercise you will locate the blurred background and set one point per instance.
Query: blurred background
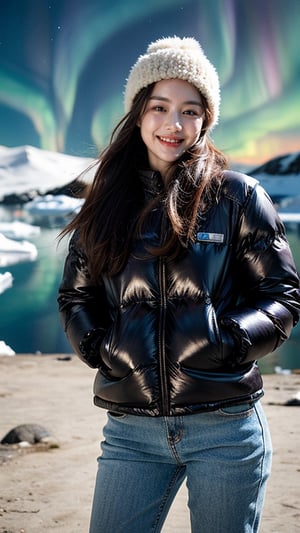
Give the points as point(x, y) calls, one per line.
point(63, 66)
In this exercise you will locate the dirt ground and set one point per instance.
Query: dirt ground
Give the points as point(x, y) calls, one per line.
point(50, 489)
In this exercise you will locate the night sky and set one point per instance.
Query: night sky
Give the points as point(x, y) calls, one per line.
point(63, 66)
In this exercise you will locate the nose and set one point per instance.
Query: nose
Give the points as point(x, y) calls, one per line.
point(174, 123)
point(178, 125)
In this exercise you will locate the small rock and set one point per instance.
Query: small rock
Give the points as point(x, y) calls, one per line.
point(28, 433)
point(295, 401)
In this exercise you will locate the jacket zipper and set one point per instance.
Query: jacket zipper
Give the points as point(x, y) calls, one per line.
point(161, 338)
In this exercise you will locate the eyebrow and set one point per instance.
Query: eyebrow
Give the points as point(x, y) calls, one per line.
point(188, 102)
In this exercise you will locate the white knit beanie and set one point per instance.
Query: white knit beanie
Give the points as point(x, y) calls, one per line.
point(173, 57)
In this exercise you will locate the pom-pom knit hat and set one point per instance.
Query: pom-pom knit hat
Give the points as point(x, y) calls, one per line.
point(173, 57)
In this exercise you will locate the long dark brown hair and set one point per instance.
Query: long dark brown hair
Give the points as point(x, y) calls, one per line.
point(114, 209)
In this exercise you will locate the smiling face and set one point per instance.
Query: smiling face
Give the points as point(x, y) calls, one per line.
point(171, 123)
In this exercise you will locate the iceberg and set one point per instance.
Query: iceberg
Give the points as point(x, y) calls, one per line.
point(6, 281)
point(13, 252)
point(5, 349)
point(19, 230)
point(53, 210)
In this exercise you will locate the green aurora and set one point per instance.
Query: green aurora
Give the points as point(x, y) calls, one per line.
point(63, 66)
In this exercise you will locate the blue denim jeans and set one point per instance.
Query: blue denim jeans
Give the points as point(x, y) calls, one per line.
point(225, 457)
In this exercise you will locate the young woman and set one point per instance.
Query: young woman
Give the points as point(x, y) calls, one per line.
point(178, 278)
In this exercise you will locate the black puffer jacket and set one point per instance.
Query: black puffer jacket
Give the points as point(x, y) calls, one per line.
point(182, 336)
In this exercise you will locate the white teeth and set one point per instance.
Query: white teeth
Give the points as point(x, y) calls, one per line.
point(172, 141)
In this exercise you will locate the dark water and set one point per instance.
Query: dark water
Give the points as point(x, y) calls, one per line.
point(29, 320)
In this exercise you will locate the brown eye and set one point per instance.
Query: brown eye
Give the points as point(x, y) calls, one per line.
point(191, 112)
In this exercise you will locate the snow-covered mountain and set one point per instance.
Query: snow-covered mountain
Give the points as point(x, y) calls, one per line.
point(26, 171)
point(280, 176)
point(285, 165)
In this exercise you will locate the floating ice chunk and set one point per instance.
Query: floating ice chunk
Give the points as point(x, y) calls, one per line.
point(6, 281)
point(19, 230)
point(13, 252)
point(5, 349)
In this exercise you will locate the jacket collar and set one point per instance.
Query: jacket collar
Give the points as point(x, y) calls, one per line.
point(152, 183)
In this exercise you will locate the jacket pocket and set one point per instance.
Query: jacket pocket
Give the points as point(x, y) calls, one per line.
point(217, 350)
point(108, 351)
point(216, 377)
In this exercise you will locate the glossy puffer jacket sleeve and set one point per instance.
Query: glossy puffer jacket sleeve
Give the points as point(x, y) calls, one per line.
point(82, 307)
point(270, 282)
